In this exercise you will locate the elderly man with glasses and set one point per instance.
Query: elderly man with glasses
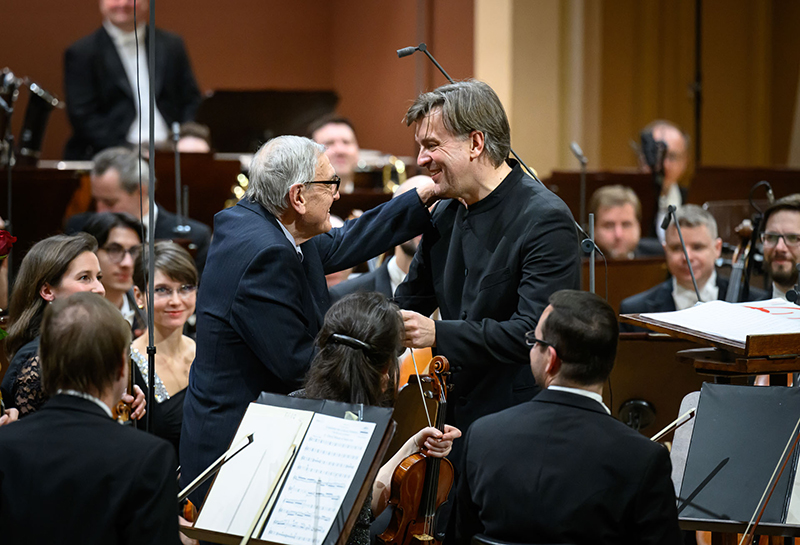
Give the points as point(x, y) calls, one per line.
point(266, 267)
point(781, 238)
point(563, 469)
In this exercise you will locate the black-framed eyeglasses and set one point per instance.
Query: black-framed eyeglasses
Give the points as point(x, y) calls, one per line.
point(335, 182)
point(116, 252)
point(531, 340)
point(771, 239)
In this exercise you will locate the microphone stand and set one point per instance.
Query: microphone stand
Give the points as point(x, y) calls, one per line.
point(664, 225)
point(578, 153)
point(151, 265)
point(180, 229)
point(591, 256)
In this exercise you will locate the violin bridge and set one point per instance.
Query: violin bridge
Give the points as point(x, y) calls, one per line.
point(423, 537)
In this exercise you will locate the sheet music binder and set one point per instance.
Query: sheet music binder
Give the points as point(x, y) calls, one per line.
point(361, 483)
point(739, 435)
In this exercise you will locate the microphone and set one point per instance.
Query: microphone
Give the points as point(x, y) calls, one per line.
point(406, 51)
point(176, 131)
point(770, 194)
point(578, 153)
point(664, 225)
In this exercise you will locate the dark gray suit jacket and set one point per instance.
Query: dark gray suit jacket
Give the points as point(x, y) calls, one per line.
point(377, 280)
point(559, 469)
point(260, 309)
point(101, 101)
point(97, 481)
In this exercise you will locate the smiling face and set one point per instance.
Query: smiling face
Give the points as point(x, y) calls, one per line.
point(782, 259)
point(341, 147)
point(446, 156)
point(318, 198)
point(172, 305)
point(702, 249)
point(83, 274)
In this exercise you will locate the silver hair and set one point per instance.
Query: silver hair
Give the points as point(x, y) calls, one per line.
point(278, 165)
point(127, 165)
point(691, 215)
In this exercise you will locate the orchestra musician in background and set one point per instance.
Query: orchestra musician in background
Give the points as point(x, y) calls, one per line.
point(338, 136)
point(618, 224)
point(781, 239)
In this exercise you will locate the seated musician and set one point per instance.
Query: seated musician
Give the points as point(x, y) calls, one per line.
point(357, 363)
point(69, 473)
point(699, 230)
point(618, 224)
point(781, 238)
point(115, 188)
point(560, 468)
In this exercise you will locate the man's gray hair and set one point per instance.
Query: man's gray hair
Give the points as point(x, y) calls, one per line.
point(468, 106)
point(126, 163)
point(278, 165)
point(691, 215)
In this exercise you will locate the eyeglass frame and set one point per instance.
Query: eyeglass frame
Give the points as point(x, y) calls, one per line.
point(531, 340)
point(336, 180)
point(780, 236)
point(166, 292)
point(133, 251)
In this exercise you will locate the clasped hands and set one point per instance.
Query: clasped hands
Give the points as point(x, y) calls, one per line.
point(435, 443)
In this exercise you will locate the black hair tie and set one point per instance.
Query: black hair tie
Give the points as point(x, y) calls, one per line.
point(337, 338)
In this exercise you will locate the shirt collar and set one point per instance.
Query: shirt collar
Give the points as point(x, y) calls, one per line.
point(777, 292)
point(686, 298)
point(291, 239)
point(127, 311)
point(396, 274)
point(88, 397)
point(146, 222)
point(586, 393)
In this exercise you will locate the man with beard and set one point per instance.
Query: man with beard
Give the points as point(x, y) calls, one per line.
point(391, 274)
point(781, 238)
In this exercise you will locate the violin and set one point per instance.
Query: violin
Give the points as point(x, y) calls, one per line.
point(421, 483)
point(122, 411)
point(739, 261)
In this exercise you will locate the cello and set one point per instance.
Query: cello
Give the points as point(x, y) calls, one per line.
point(421, 483)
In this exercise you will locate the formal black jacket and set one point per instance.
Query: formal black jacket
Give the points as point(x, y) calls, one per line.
point(257, 320)
point(490, 270)
point(166, 221)
point(659, 299)
point(101, 101)
point(559, 469)
point(377, 280)
point(70, 474)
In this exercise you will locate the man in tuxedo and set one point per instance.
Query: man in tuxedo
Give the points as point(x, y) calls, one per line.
point(393, 271)
point(618, 227)
point(781, 238)
point(699, 230)
point(100, 76)
point(115, 188)
point(501, 244)
point(562, 469)
point(267, 265)
point(97, 481)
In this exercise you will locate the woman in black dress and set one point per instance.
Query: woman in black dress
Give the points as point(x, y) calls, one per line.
point(174, 301)
point(357, 363)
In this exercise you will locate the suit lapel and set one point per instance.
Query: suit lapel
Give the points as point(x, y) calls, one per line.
point(113, 64)
point(383, 282)
point(662, 300)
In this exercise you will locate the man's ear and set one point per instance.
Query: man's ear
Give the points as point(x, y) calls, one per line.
point(46, 292)
point(553, 365)
point(477, 141)
point(297, 198)
point(718, 247)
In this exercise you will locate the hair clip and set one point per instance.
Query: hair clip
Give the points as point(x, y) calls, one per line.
point(345, 340)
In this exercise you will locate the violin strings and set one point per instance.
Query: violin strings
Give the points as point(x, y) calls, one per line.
point(421, 393)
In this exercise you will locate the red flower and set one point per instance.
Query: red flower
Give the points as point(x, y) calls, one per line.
point(6, 242)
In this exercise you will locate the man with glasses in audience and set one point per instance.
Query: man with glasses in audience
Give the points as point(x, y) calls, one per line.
point(119, 244)
point(562, 469)
point(781, 238)
point(267, 265)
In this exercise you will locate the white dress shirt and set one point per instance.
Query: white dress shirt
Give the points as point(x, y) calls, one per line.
point(686, 298)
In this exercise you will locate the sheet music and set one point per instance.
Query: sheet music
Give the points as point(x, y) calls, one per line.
point(243, 482)
point(320, 478)
point(735, 321)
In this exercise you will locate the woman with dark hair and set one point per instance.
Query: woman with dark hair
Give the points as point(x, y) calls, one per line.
point(357, 363)
point(175, 295)
point(54, 268)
